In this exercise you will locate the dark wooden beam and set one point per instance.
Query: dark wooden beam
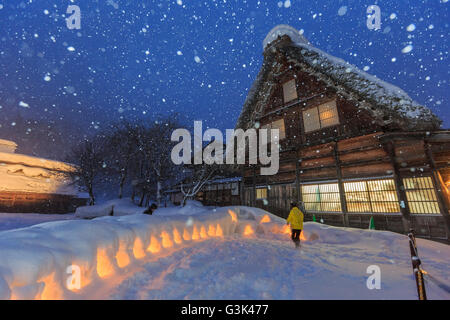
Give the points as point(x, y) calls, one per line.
point(341, 186)
point(437, 185)
point(401, 194)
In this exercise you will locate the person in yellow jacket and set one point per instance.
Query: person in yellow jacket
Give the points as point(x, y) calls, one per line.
point(295, 219)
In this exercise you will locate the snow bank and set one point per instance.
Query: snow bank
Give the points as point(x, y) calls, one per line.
point(34, 261)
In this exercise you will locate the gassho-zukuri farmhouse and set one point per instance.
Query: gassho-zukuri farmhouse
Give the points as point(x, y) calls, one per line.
point(352, 146)
point(35, 185)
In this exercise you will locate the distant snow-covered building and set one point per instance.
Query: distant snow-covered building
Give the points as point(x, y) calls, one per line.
point(31, 184)
point(7, 146)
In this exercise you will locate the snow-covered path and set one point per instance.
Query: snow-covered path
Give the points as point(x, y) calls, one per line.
point(203, 253)
point(268, 267)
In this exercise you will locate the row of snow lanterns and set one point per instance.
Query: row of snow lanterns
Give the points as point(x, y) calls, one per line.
point(105, 267)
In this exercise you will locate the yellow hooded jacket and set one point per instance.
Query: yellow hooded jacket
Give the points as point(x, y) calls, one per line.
point(295, 219)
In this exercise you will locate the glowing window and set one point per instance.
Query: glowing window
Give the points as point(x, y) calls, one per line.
point(321, 197)
point(290, 91)
point(323, 116)
point(421, 195)
point(261, 193)
point(279, 124)
point(379, 196)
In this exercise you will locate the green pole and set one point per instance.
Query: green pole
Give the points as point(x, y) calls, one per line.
point(372, 224)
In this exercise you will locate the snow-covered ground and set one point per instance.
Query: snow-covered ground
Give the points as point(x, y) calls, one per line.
point(266, 266)
point(9, 221)
point(252, 257)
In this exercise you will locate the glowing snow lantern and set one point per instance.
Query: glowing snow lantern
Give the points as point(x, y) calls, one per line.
point(122, 257)
point(248, 231)
point(219, 232)
point(302, 236)
point(52, 290)
point(166, 241)
point(154, 246)
point(177, 236)
point(211, 231)
point(105, 267)
point(203, 234)
point(195, 234)
point(138, 249)
point(233, 215)
point(265, 219)
point(286, 229)
point(186, 235)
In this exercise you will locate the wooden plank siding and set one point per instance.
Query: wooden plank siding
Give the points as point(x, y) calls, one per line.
point(24, 202)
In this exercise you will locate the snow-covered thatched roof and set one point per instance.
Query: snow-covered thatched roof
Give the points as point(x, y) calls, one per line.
point(7, 146)
point(387, 103)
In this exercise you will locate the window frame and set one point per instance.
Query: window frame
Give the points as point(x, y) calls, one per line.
point(369, 194)
point(429, 187)
point(320, 121)
point(321, 195)
point(257, 197)
point(284, 85)
point(269, 126)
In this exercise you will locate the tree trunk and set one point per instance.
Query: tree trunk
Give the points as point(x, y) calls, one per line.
point(91, 197)
point(158, 192)
point(141, 202)
point(122, 182)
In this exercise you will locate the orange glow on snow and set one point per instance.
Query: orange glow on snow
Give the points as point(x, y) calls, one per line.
point(186, 235)
point(219, 231)
point(233, 215)
point(286, 229)
point(177, 236)
point(122, 257)
point(203, 234)
point(138, 249)
point(248, 231)
point(265, 219)
point(211, 231)
point(52, 291)
point(154, 246)
point(105, 267)
point(302, 236)
point(166, 241)
point(195, 234)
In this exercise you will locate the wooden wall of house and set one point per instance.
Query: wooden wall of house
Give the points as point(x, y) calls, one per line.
point(355, 148)
point(22, 202)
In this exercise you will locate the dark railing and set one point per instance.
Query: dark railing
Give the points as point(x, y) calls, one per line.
point(416, 264)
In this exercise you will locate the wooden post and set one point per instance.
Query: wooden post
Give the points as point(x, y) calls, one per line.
point(401, 194)
point(341, 185)
point(437, 186)
point(297, 179)
point(254, 187)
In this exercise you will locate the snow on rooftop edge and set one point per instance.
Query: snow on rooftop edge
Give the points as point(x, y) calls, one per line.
point(281, 30)
point(8, 143)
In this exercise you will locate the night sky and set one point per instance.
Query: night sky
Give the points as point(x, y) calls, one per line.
point(137, 59)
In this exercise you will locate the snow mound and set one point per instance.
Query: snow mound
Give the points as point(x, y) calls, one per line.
point(192, 207)
point(90, 212)
point(115, 207)
point(35, 260)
